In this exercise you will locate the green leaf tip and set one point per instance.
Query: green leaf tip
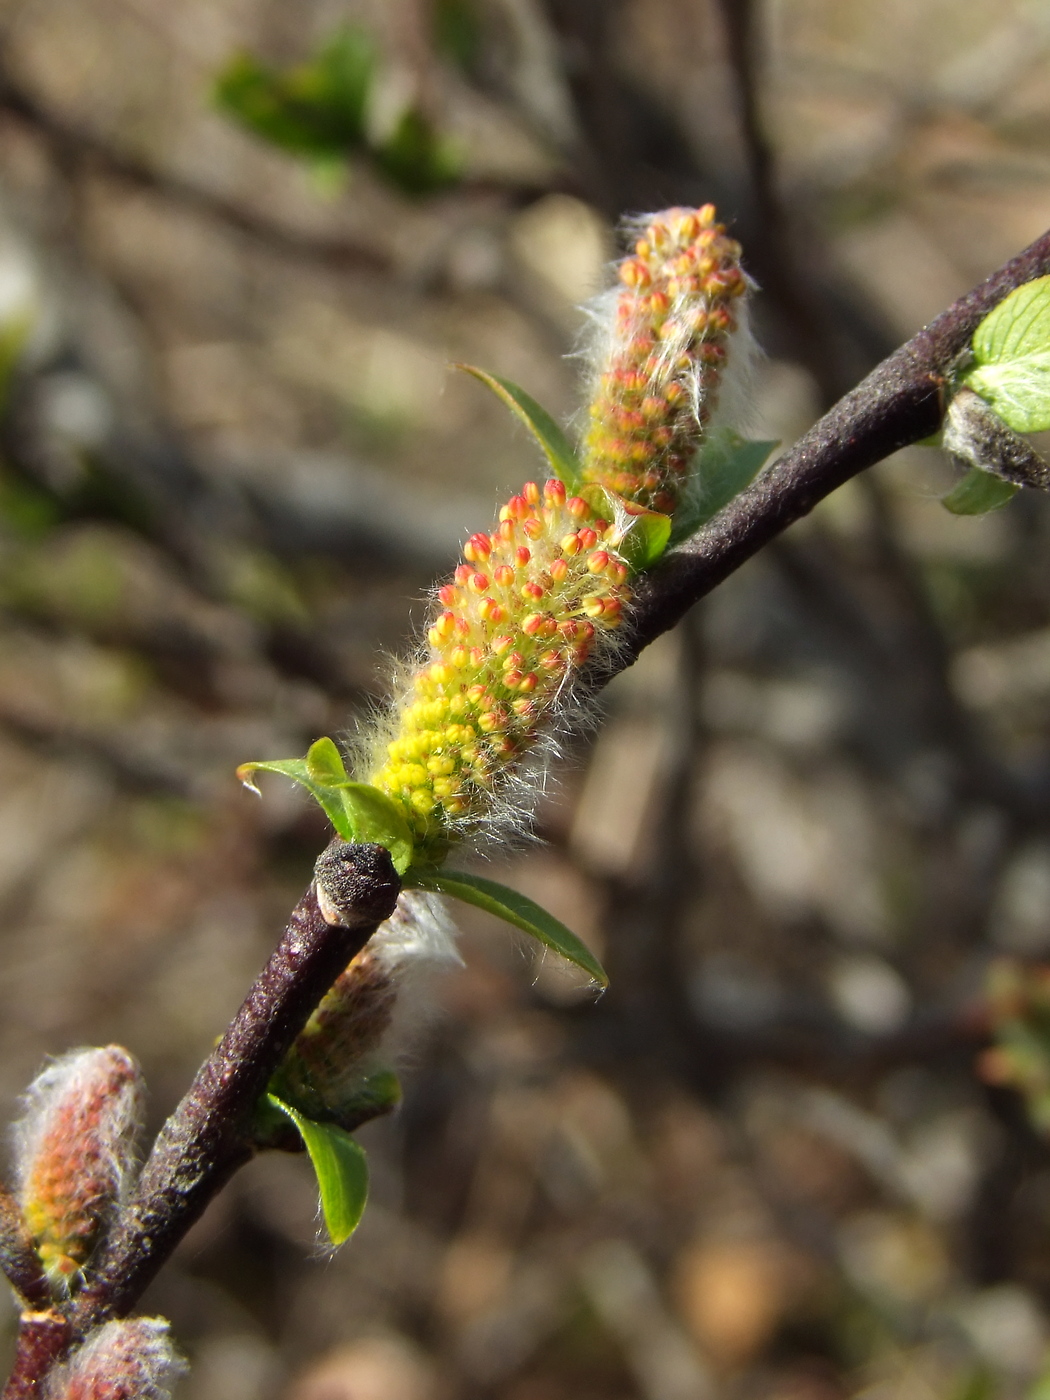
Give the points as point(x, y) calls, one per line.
point(1011, 350)
point(341, 1169)
point(358, 811)
point(513, 908)
point(978, 493)
point(552, 440)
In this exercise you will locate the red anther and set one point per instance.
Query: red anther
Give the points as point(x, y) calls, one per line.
point(570, 544)
point(464, 573)
point(504, 575)
point(447, 594)
point(588, 538)
point(598, 561)
point(515, 509)
point(476, 694)
point(601, 526)
point(522, 555)
point(528, 682)
point(532, 528)
point(477, 655)
point(480, 546)
point(502, 644)
point(512, 679)
point(531, 623)
point(532, 590)
point(577, 508)
point(478, 582)
point(462, 626)
point(568, 628)
point(506, 531)
point(551, 660)
point(558, 570)
point(586, 631)
point(554, 491)
point(531, 492)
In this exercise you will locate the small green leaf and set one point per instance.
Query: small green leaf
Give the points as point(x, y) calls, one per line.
point(1019, 326)
point(555, 445)
point(1012, 349)
point(1018, 390)
point(358, 811)
point(513, 908)
point(374, 817)
point(341, 1168)
point(324, 763)
point(978, 493)
point(724, 465)
point(330, 798)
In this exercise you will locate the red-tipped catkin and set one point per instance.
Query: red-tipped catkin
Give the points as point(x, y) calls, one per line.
point(662, 360)
point(520, 615)
point(125, 1360)
point(74, 1153)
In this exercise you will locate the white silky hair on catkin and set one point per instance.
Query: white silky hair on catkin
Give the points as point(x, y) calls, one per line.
point(121, 1360)
point(417, 943)
point(70, 1076)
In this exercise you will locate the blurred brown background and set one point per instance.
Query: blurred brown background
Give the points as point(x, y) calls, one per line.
point(233, 458)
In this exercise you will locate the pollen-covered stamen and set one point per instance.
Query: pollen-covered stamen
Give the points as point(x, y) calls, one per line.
point(665, 356)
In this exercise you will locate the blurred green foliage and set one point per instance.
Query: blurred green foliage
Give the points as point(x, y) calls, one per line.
point(457, 32)
point(319, 110)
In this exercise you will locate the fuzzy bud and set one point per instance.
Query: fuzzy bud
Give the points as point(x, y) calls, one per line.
point(124, 1360)
point(349, 1037)
point(661, 361)
point(75, 1147)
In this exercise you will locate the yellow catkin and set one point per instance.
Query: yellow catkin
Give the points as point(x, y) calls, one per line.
point(522, 610)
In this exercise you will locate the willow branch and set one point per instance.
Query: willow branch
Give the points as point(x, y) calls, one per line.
point(210, 1134)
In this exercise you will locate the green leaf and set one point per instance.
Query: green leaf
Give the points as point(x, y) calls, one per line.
point(645, 538)
point(978, 493)
point(725, 464)
point(341, 1168)
point(1011, 348)
point(513, 908)
point(1018, 326)
point(358, 811)
point(555, 445)
point(1018, 390)
point(324, 763)
point(315, 109)
point(374, 817)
